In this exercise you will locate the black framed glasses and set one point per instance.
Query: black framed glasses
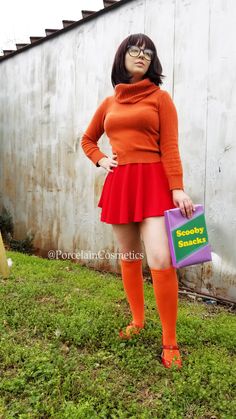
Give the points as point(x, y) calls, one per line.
point(134, 51)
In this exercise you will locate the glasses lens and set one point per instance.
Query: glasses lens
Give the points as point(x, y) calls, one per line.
point(134, 51)
point(148, 54)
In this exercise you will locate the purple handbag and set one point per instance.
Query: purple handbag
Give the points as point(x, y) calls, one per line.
point(188, 238)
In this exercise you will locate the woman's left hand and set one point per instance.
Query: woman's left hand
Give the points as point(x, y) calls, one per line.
point(183, 201)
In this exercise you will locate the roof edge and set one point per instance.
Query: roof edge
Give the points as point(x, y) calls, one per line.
point(79, 22)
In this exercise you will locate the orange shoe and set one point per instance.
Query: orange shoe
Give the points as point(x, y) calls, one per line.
point(175, 357)
point(131, 329)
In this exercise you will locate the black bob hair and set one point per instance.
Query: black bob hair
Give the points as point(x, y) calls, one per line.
point(119, 74)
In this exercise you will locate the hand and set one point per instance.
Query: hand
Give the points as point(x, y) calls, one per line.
point(108, 162)
point(183, 201)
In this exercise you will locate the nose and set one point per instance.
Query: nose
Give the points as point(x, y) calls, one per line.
point(141, 52)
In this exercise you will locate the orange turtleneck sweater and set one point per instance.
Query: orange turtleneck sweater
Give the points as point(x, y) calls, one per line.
point(141, 123)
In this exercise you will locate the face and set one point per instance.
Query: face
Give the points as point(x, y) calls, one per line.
point(134, 68)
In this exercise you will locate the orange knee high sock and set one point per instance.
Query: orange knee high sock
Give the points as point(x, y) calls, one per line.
point(165, 285)
point(132, 278)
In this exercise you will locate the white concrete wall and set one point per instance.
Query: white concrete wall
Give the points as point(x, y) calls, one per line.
point(49, 93)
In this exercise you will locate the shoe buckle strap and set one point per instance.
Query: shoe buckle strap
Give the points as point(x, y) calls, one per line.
point(170, 347)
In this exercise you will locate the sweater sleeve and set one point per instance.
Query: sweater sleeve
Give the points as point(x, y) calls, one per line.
point(92, 134)
point(170, 156)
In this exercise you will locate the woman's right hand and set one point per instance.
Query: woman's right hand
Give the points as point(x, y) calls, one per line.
point(108, 162)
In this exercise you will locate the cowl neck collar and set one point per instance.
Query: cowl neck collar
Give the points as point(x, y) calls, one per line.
point(134, 92)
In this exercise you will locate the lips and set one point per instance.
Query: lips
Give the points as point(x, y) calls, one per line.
point(140, 62)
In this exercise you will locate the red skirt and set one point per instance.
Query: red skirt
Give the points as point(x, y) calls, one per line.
point(133, 192)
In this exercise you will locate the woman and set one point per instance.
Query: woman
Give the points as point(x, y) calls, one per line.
point(144, 179)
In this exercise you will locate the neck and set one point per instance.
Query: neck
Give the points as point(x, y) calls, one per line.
point(135, 79)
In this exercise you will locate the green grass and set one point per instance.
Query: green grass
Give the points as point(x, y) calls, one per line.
point(60, 356)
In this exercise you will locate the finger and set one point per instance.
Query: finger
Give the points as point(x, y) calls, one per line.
point(190, 211)
point(185, 203)
point(192, 205)
point(188, 208)
point(182, 209)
